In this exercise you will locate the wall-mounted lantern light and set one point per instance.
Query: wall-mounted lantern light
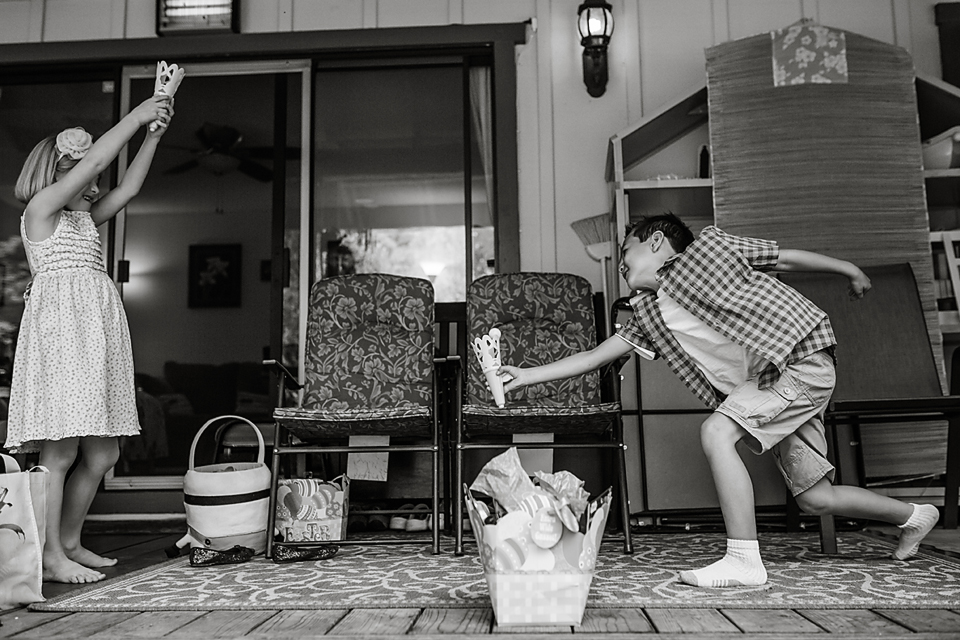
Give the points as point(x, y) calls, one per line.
point(595, 22)
point(198, 16)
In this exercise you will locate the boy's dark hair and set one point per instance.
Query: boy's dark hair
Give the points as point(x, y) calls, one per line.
point(671, 226)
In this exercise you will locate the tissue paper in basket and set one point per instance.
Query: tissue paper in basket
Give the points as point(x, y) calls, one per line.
point(530, 583)
point(312, 510)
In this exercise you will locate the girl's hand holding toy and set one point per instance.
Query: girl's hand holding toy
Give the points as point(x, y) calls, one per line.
point(167, 81)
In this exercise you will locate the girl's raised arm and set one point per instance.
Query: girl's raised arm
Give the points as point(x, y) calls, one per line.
point(133, 178)
point(46, 204)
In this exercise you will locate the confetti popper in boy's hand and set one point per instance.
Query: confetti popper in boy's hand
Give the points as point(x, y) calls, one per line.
point(487, 348)
point(166, 84)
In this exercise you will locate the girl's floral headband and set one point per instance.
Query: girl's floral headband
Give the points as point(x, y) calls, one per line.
point(74, 142)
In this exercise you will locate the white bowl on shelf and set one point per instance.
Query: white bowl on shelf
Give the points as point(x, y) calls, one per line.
point(942, 151)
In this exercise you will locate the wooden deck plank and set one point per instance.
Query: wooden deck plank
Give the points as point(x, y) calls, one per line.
point(614, 621)
point(107, 544)
point(770, 621)
point(453, 621)
point(375, 622)
point(146, 551)
point(83, 625)
point(224, 624)
point(920, 620)
point(18, 620)
point(532, 629)
point(298, 622)
point(153, 624)
point(852, 621)
point(690, 621)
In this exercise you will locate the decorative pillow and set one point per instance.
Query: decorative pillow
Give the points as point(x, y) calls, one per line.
point(369, 343)
point(542, 317)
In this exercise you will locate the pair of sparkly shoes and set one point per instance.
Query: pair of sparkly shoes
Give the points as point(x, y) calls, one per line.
point(205, 557)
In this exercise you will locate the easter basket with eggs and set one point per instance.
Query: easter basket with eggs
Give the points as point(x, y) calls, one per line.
point(538, 541)
point(312, 510)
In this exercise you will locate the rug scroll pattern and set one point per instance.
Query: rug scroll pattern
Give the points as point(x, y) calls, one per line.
point(862, 576)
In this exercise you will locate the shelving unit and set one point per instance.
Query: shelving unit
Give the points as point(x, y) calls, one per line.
point(945, 246)
point(938, 103)
point(653, 167)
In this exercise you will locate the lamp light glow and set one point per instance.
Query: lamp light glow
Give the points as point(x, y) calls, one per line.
point(197, 16)
point(595, 23)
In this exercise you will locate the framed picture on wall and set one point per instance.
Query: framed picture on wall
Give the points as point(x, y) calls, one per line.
point(213, 276)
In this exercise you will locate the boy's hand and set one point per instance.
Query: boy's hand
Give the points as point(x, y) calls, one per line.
point(859, 285)
point(512, 377)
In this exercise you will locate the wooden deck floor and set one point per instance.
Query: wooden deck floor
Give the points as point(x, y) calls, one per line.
point(138, 551)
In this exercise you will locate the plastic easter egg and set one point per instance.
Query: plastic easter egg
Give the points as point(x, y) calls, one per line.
point(572, 544)
point(546, 528)
point(508, 556)
point(562, 564)
point(328, 491)
point(292, 501)
point(538, 560)
point(307, 512)
point(535, 501)
point(515, 524)
point(283, 513)
point(305, 487)
point(318, 501)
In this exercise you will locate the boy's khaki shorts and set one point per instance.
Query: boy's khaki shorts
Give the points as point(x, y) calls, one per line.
point(787, 418)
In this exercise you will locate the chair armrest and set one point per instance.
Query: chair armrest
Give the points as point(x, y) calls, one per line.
point(291, 380)
point(448, 368)
point(896, 406)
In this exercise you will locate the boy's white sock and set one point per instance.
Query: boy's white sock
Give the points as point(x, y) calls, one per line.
point(921, 521)
point(741, 567)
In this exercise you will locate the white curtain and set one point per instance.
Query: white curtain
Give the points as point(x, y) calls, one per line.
point(481, 108)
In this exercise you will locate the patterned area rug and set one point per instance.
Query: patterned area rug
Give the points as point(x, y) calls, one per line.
point(862, 576)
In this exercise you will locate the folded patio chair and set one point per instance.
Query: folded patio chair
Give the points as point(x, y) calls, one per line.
point(886, 371)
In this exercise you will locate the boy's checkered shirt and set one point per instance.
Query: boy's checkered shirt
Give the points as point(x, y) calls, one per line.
point(720, 279)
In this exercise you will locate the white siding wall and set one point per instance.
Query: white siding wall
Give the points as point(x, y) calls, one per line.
point(656, 55)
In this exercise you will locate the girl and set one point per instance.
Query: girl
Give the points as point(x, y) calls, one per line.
point(73, 390)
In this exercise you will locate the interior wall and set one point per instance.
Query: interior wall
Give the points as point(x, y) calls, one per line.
point(656, 55)
point(156, 296)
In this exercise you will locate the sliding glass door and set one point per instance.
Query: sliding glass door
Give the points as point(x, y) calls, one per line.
point(203, 247)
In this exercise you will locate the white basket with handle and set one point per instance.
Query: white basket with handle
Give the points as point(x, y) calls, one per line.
point(226, 503)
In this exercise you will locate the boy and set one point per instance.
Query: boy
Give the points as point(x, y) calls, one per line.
point(756, 352)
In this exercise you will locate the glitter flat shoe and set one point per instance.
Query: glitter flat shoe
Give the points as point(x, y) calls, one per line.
point(204, 557)
point(283, 553)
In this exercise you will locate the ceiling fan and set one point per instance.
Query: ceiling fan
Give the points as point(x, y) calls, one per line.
point(221, 153)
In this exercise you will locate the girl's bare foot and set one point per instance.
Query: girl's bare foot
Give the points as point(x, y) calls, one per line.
point(87, 558)
point(68, 571)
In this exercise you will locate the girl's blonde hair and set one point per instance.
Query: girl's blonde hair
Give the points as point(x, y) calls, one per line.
point(40, 169)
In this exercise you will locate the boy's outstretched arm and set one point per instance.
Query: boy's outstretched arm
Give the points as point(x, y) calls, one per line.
point(800, 260)
point(577, 364)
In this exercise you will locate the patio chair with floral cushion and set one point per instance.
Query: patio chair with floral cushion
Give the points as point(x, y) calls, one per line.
point(541, 317)
point(369, 371)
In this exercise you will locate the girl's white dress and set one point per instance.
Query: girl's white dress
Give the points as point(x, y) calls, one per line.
point(73, 369)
